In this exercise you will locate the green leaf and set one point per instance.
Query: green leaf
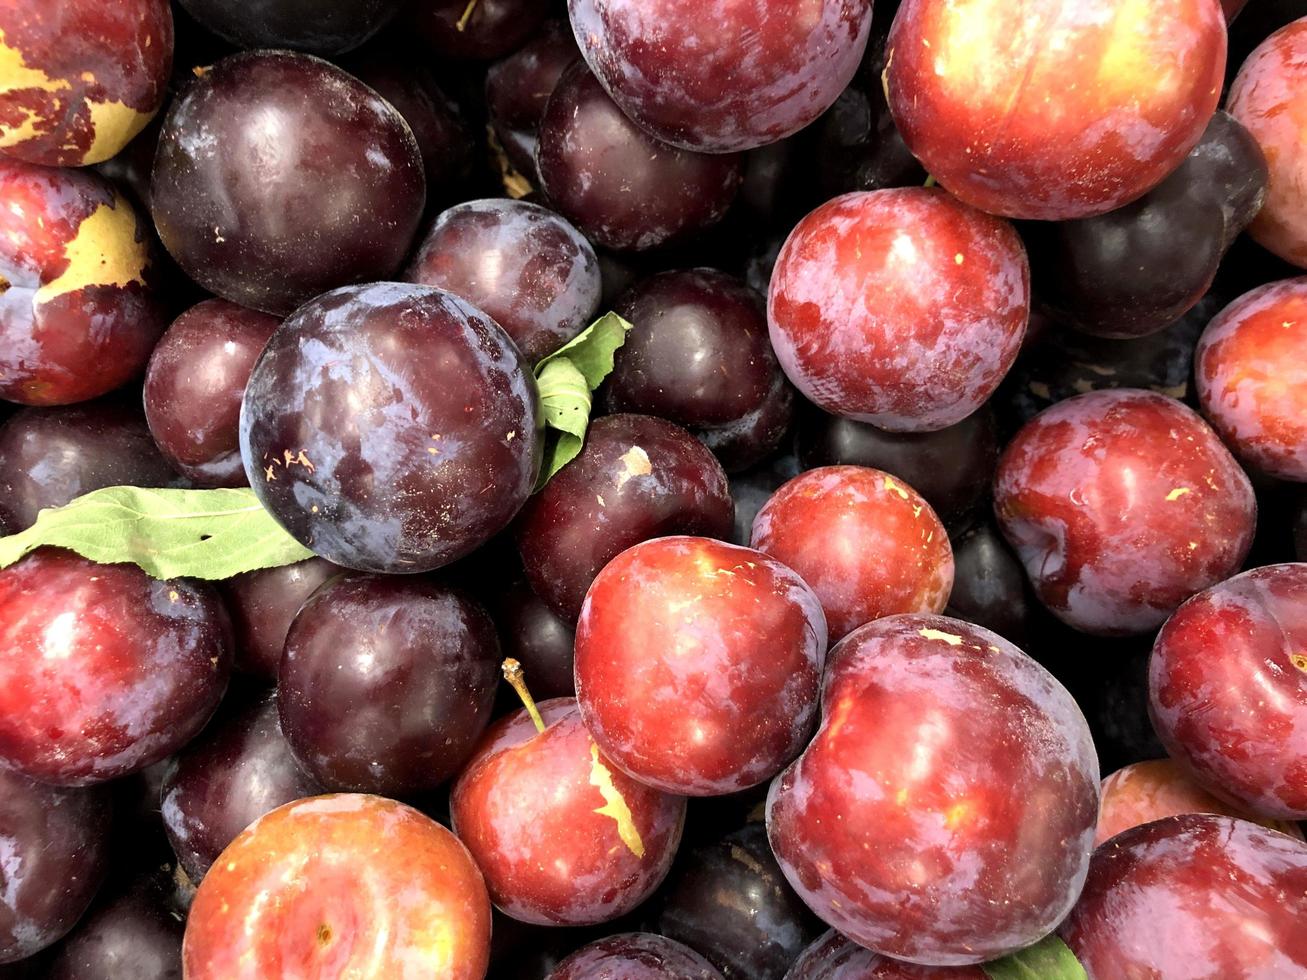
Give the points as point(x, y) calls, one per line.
point(208, 534)
point(566, 379)
point(1048, 959)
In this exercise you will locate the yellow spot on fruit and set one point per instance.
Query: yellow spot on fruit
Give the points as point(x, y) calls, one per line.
point(1299, 660)
point(901, 797)
point(113, 124)
point(951, 639)
point(105, 251)
point(614, 804)
point(893, 487)
point(956, 815)
point(17, 76)
point(959, 258)
point(636, 463)
point(172, 595)
point(1177, 493)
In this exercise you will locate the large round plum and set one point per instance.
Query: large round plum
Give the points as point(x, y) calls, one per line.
point(391, 428)
point(278, 176)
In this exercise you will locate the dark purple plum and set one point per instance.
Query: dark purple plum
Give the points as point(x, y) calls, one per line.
point(518, 89)
point(278, 176)
point(477, 31)
point(194, 385)
point(48, 456)
point(305, 25)
point(534, 273)
point(54, 844)
point(104, 670)
point(950, 467)
point(263, 604)
point(238, 770)
point(635, 956)
point(637, 478)
point(730, 902)
point(753, 437)
point(129, 934)
point(387, 683)
point(620, 186)
point(989, 585)
point(537, 638)
point(391, 427)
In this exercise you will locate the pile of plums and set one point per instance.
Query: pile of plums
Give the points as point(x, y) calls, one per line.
point(931, 581)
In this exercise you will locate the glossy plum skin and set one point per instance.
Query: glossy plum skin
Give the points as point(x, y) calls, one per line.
point(386, 683)
point(836, 957)
point(677, 67)
point(130, 933)
point(279, 176)
point(537, 638)
point(527, 267)
point(83, 81)
point(698, 664)
point(56, 847)
point(78, 312)
point(193, 389)
point(518, 89)
point(904, 308)
point(636, 478)
point(752, 438)
point(1052, 110)
point(494, 28)
point(1269, 96)
point(48, 456)
point(951, 467)
point(635, 956)
point(621, 187)
point(698, 354)
point(118, 672)
point(240, 768)
point(898, 824)
point(730, 903)
point(263, 604)
point(1251, 375)
point(1228, 689)
point(1201, 896)
point(305, 25)
point(1121, 505)
point(347, 885)
point(352, 440)
point(545, 817)
point(1146, 791)
point(867, 544)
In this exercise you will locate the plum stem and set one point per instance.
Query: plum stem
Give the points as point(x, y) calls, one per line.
point(467, 14)
point(513, 673)
point(930, 181)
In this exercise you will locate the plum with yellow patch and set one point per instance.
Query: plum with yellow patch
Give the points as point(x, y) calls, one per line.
point(561, 835)
point(698, 664)
point(1054, 109)
point(869, 545)
point(80, 78)
point(340, 886)
point(78, 312)
point(944, 813)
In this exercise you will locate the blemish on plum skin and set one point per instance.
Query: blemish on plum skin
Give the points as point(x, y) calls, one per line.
point(952, 639)
point(1177, 493)
point(1299, 660)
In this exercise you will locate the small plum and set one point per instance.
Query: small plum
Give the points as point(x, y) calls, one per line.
point(635, 956)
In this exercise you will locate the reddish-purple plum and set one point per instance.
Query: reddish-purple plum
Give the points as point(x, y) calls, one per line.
point(635, 956)
point(837, 957)
point(263, 603)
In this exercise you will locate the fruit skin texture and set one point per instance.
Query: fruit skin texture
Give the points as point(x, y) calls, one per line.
point(904, 308)
point(635, 956)
point(194, 385)
point(79, 317)
point(899, 825)
point(240, 768)
point(263, 604)
point(1052, 109)
point(621, 187)
point(636, 478)
point(1269, 96)
point(103, 670)
point(346, 885)
point(836, 957)
point(352, 440)
point(1121, 505)
point(307, 25)
point(527, 267)
point(866, 543)
point(494, 28)
point(1251, 369)
point(1201, 896)
point(1146, 791)
point(132, 934)
point(82, 79)
point(55, 843)
point(535, 811)
point(49, 456)
point(698, 664)
point(677, 67)
point(278, 176)
point(387, 683)
point(1227, 689)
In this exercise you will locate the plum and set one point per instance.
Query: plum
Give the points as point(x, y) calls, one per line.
point(263, 603)
point(635, 956)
